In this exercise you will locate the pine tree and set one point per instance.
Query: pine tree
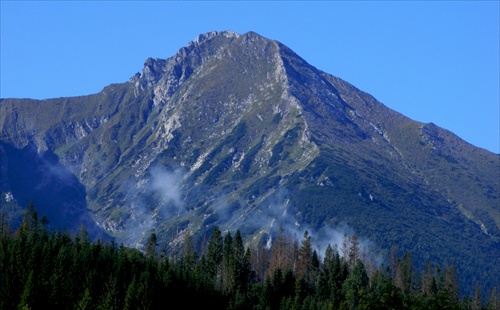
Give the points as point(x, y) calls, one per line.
point(277, 288)
point(324, 286)
point(315, 264)
point(131, 298)
point(27, 296)
point(110, 301)
point(328, 259)
point(227, 259)
point(86, 301)
point(338, 274)
point(266, 294)
point(305, 258)
point(188, 255)
point(214, 253)
point(83, 235)
point(384, 295)
point(238, 273)
point(356, 286)
point(246, 271)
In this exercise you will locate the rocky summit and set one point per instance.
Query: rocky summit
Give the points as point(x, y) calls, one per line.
point(238, 131)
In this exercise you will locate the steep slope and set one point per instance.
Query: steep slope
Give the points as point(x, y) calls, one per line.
point(239, 131)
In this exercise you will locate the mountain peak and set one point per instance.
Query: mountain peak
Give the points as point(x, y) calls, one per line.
point(176, 69)
point(251, 35)
point(210, 35)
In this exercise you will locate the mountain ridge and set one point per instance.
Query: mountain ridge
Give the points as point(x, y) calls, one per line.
point(239, 131)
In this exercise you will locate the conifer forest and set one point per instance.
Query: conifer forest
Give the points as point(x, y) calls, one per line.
point(41, 268)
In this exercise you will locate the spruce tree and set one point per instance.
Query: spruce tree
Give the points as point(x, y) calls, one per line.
point(238, 273)
point(28, 294)
point(214, 253)
point(227, 260)
point(305, 258)
point(356, 286)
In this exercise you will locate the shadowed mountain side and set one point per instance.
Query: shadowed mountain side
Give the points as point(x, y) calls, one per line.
point(55, 192)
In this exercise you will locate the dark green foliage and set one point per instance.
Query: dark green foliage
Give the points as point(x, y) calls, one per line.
point(356, 287)
point(214, 255)
point(41, 269)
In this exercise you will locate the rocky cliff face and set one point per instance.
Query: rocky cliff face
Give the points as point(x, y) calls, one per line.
point(239, 131)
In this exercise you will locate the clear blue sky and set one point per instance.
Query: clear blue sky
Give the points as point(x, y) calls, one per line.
point(432, 61)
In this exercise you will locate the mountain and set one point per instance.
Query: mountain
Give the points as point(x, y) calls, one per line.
point(239, 131)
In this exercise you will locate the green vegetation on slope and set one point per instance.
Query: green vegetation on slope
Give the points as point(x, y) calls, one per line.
point(53, 269)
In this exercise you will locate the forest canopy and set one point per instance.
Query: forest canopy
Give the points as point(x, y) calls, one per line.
point(42, 268)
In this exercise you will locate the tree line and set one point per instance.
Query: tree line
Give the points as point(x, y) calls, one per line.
point(42, 268)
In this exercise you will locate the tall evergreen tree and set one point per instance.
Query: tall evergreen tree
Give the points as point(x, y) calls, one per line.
point(227, 259)
point(338, 275)
point(131, 297)
point(214, 253)
point(85, 303)
point(383, 294)
point(323, 290)
point(305, 258)
point(356, 286)
point(238, 274)
point(83, 235)
point(188, 255)
point(28, 294)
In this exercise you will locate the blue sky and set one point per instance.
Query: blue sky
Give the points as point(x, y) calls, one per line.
point(432, 61)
